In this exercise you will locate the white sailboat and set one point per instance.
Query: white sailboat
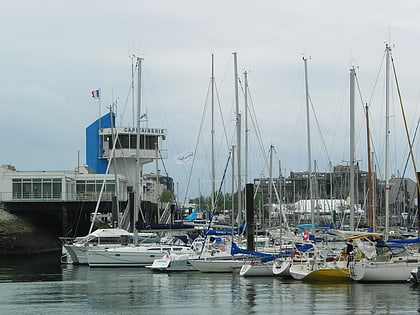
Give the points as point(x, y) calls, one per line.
point(134, 254)
point(257, 268)
point(74, 249)
point(323, 266)
point(379, 261)
point(226, 263)
point(100, 238)
point(172, 262)
point(384, 262)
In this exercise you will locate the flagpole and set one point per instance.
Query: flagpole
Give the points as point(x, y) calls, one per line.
point(100, 95)
point(100, 146)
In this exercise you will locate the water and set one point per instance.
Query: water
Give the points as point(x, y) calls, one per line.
point(41, 285)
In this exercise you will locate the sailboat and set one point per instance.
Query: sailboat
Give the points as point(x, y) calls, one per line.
point(74, 249)
point(323, 266)
point(386, 261)
point(135, 254)
point(225, 263)
point(77, 248)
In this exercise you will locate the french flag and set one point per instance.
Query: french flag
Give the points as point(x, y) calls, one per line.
point(95, 94)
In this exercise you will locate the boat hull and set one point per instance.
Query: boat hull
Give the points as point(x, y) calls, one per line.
point(329, 275)
point(217, 265)
point(129, 256)
point(298, 271)
point(256, 269)
point(77, 254)
point(170, 263)
point(381, 272)
point(282, 267)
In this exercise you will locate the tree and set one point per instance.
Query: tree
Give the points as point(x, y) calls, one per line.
point(166, 196)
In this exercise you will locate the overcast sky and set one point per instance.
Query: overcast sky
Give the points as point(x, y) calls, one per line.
point(54, 53)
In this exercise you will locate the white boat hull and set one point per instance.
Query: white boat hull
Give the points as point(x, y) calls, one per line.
point(257, 269)
point(172, 263)
point(77, 254)
point(130, 256)
point(217, 265)
point(299, 271)
point(381, 271)
point(282, 267)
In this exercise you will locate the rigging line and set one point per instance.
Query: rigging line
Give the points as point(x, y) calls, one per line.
point(125, 105)
point(361, 102)
point(128, 174)
point(216, 201)
point(405, 167)
point(197, 141)
point(127, 98)
point(370, 102)
point(254, 121)
point(377, 76)
point(255, 124)
point(319, 129)
point(221, 115)
point(163, 163)
point(405, 125)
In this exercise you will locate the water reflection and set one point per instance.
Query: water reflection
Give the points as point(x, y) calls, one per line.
point(44, 286)
point(42, 267)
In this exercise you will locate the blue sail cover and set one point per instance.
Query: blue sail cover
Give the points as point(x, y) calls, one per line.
point(406, 241)
point(193, 215)
point(303, 248)
point(226, 231)
point(236, 250)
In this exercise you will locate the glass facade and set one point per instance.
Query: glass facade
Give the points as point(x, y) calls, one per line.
point(52, 188)
point(90, 189)
point(37, 188)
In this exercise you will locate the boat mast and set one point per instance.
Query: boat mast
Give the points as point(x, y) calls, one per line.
point(388, 55)
point(246, 127)
point(114, 139)
point(213, 172)
point(309, 146)
point(270, 188)
point(139, 172)
point(238, 137)
point(352, 148)
point(370, 182)
point(233, 192)
point(132, 89)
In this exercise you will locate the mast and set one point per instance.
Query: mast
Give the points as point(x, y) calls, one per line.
point(309, 146)
point(114, 139)
point(213, 172)
point(270, 188)
point(388, 55)
point(352, 150)
point(233, 190)
point(132, 89)
point(246, 126)
point(238, 137)
point(369, 180)
point(157, 190)
point(139, 172)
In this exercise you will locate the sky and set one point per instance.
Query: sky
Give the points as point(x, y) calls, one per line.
point(54, 53)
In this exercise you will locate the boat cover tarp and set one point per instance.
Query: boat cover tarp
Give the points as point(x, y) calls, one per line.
point(405, 241)
point(193, 215)
point(267, 257)
point(236, 250)
point(226, 231)
point(302, 248)
point(159, 226)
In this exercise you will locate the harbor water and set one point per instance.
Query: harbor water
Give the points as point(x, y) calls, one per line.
point(41, 285)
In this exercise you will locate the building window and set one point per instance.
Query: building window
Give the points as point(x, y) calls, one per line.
point(36, 188)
